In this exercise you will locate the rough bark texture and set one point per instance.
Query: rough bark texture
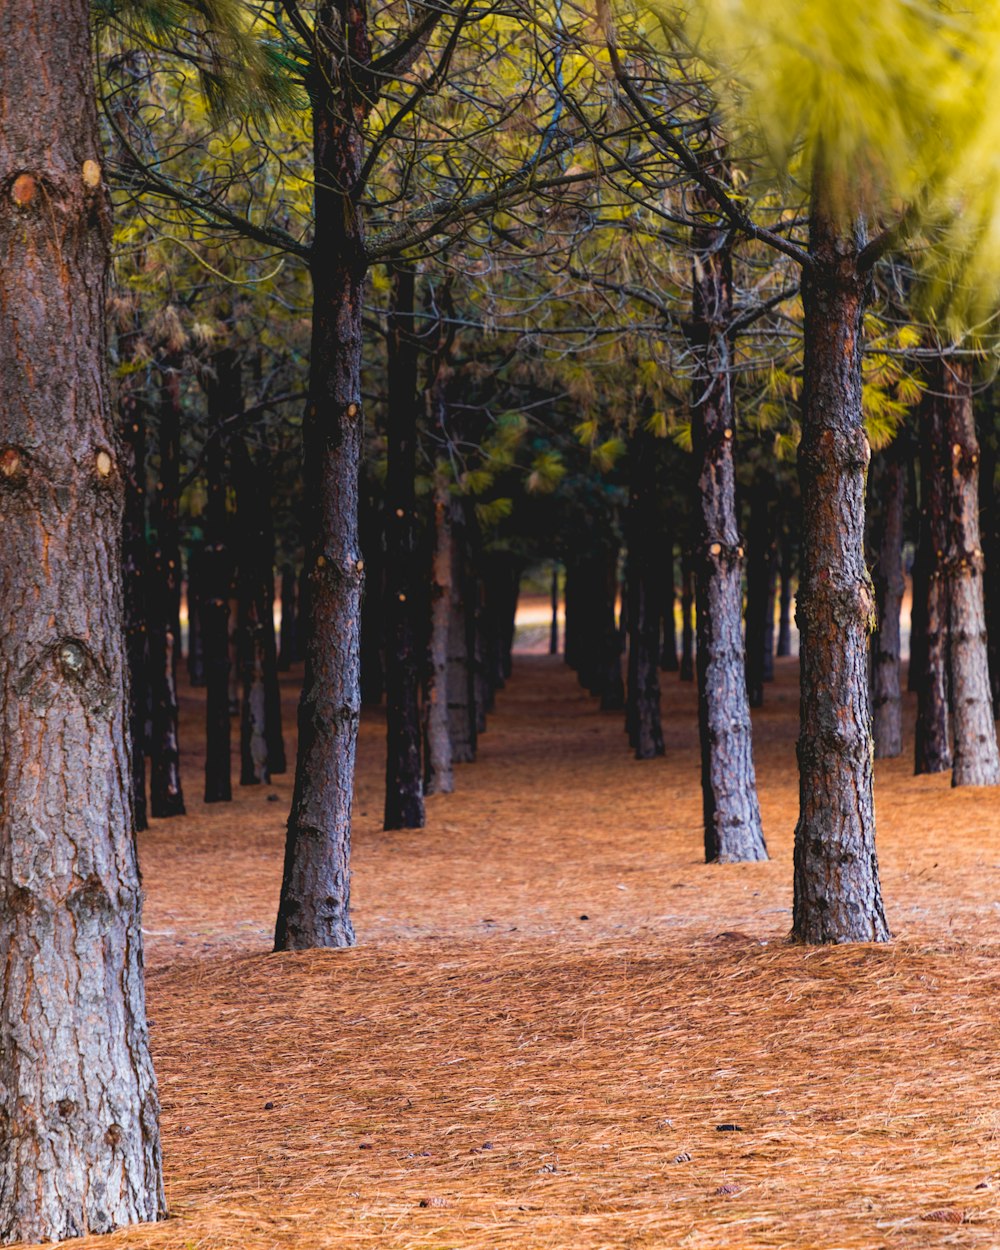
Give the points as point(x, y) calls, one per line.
point(79, 1142)
point(887, 697)
point(733, 830)
point(929, 658)
point(439, 775)
point(991, 546)
point(166, 796)
point(404, 792)
point(314, 909)
point(976, 760)
point(837, 895)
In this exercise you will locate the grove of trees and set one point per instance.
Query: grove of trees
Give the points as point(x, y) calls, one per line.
point(366, 309)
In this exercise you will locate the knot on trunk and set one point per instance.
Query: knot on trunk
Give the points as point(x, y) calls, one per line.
point(721, 554)
point(67, 663)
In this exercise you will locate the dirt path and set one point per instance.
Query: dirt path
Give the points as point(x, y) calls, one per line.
point(554, 1006)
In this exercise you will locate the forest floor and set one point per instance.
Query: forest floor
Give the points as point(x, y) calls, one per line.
point(560, 1029)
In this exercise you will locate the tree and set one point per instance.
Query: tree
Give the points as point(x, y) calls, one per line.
point(79, 1146)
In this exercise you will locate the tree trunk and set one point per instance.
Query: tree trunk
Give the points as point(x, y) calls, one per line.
point(134, 579)
point(196, 647)
point(977, 761)
point(889, 587)
point(837, 895)
point(554, 625)
point(251, 578)
point(314, 909)
point(759, 568)
point(787, 565)
point(79, 1141)
point(288, 645)
point(461, 644)
point(930, 589)
point(643, 578)
point(612, 683)
point(438, 773)
point(404, 792)
point(218, 577)
point(166, 796)
point(687, 616)
point(668, 649)
point(991, 546)
point(733, 830)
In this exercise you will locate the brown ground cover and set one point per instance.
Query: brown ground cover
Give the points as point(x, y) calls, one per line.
point(555, 1005)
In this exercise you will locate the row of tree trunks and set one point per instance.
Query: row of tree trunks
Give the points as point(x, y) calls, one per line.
point(887, 698)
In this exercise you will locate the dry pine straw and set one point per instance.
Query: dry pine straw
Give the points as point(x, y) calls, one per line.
point(554, 1006)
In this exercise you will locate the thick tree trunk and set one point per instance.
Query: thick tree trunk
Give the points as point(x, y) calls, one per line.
point(643, 579)
point(977, 761)
point(733, 830)
point(315, 892)
point(218, 577)
point(687, 616)
point(887, 698)
point(930, 590)
point(166, 796)
point(404, 792)
point(837, 895)
point(79, 1142)
point(991, 546)
point(438, 772)
point(134, 577)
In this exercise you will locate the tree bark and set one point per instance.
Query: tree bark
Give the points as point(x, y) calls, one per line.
point(887, 697)
point(837, 895)
point(166, 795)
point(930, 589)
point(218, 577)
point(404, 792)
point(733, 830)
point(991, 545)
point(976, 761)
point(643, 578)
point(79, 1140)
point(461, 643)
point(439, 775)
point(687, 616)
point(314, 908)
point(134, 577)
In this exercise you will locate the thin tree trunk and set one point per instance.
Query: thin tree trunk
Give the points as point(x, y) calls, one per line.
point(196, 648)
point(759, 565)
point(554, 626)
point(287, 648)
point(930, 588)
point(887, 697)
point(612, 683)
point(837, 894)
point(404, 793)
point(977, 761)
point(438, 772)
point(314, 909)
point(646, 735)
point(135, 557)
point(79, 1140)
point(461, 644)
point(733, 829)
point(218, 577)
point(252, 598)
point(668, 650)
point(687, 616)
point(166, 796)
point(787, 567)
